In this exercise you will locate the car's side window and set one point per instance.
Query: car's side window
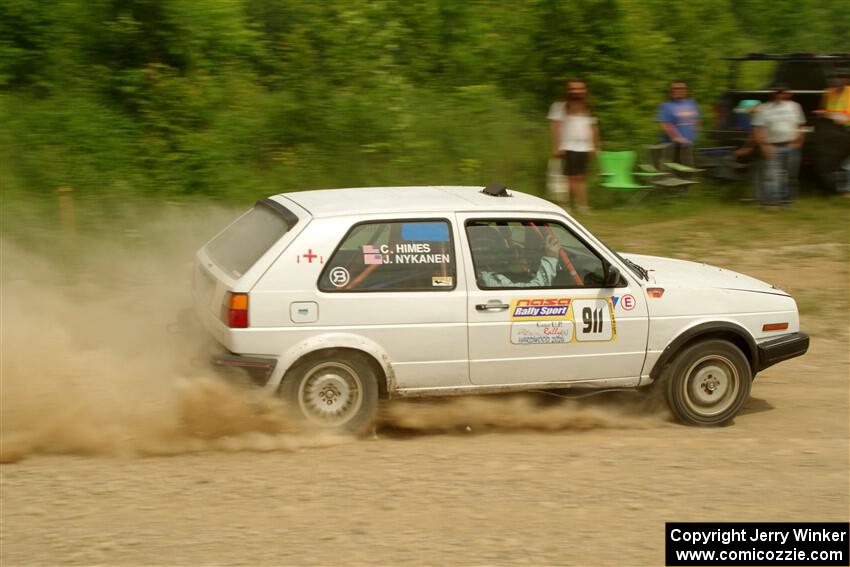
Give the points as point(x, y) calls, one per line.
point(531, 254)
point(393, 256)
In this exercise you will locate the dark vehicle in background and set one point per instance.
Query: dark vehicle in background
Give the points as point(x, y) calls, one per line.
point(807, 76)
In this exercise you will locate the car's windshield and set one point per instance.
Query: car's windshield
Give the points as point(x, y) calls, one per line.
point(242, 243)
point(635, 268)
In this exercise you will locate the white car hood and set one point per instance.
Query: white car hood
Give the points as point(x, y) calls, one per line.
point(667, 272)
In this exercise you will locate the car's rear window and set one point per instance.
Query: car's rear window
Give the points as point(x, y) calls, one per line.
point(410, 255)
point(242, 243)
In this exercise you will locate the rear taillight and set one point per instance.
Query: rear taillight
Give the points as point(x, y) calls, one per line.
point(234, 310)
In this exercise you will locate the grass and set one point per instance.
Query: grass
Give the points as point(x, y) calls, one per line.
point(696, 224)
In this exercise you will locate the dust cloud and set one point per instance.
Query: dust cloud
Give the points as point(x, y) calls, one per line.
point(93, 364)
point(525, 412)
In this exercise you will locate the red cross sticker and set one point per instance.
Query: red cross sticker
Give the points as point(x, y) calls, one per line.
point(309, 256)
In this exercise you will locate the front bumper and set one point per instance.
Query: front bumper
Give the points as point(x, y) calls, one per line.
point(782, 348)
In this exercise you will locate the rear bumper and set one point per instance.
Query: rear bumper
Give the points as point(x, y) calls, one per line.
point(257, 368)
point(782, 348)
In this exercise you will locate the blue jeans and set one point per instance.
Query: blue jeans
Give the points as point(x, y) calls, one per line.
point(757, 173)
point(842, 177)
point(780, 175)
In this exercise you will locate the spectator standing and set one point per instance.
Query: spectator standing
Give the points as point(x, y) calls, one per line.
point(575, 138)
point(836, 107)
point(679, 119)
point(836, 100)
point(748, 151)
point(777, 126)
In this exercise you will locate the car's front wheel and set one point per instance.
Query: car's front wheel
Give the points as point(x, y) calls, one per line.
point(336, 391)
point(708, 383)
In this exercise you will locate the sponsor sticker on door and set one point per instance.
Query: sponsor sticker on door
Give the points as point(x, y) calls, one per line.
point(541, 332)
point(540, 309)
point(553, 320)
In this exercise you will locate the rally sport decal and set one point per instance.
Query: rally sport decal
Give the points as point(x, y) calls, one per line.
point(553, 320)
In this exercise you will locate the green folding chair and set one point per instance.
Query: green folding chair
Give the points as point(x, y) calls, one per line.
point(680, 168)
point(653, 155)
point(616, 167)
point(617, 173)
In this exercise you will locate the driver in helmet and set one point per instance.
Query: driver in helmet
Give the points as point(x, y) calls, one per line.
point(493, 257)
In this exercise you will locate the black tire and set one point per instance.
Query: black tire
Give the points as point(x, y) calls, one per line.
point(336, 390)
point(708, 382)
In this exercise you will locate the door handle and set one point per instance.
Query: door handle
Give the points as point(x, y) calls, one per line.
point(492, 305)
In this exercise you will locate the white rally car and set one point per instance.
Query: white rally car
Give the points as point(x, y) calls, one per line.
point(335, 299)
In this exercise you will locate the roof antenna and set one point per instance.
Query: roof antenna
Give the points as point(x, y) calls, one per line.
point(496, 190)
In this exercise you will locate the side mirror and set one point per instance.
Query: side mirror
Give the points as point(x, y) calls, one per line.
point(613, 278)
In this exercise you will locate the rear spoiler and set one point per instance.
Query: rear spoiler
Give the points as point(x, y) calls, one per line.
point(288, 216)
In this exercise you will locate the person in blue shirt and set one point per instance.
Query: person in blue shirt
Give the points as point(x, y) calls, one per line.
point(679, 119)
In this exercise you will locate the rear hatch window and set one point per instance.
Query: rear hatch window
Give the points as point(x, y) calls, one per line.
point(241, 244)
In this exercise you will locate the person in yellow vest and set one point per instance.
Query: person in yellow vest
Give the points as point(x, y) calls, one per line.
point(836, 107)
point(836, 100)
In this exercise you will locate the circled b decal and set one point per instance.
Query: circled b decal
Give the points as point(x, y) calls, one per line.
point(339, 277)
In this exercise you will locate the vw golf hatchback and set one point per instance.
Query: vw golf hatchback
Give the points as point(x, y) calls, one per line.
point(336, 299)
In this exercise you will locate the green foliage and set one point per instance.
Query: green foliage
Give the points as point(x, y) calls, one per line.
point(240, 98)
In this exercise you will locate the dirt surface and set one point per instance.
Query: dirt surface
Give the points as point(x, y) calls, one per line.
point(117, 456)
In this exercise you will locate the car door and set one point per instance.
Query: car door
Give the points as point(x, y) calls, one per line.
point(395, 282)
point(543, 315)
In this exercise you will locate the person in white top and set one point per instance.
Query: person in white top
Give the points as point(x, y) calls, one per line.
point(575, 138)
point(778, 130)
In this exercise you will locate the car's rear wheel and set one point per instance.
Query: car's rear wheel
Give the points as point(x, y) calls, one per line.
point(708, 383)
point(336, 391)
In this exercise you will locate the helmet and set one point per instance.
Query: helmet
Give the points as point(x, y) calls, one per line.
point(490, 251)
